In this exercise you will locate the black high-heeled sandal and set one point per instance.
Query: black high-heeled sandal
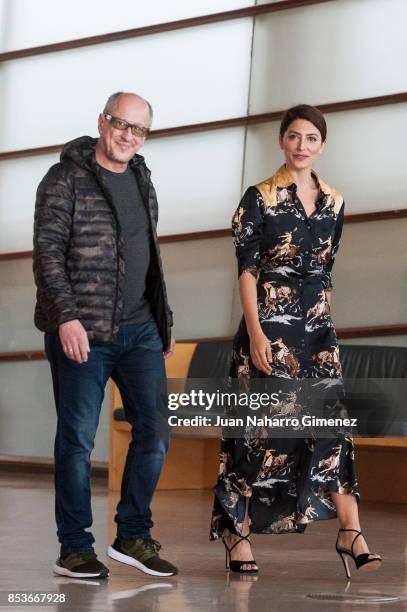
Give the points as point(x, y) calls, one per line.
point(236, 566)
point(365, 560)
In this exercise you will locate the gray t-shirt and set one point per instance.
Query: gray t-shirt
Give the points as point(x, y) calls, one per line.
point(135, 227)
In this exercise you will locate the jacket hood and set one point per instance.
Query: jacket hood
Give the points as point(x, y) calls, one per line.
point(82, 152)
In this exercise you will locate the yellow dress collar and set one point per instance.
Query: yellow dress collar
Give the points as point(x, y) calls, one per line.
point(282, 180)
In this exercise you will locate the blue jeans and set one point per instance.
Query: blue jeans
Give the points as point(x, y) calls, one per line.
point(134, 360)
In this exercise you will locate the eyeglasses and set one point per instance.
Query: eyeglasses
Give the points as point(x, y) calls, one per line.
point(121, 124)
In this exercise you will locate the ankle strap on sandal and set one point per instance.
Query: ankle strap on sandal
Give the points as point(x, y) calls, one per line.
point(241, 538)
point(358, 533)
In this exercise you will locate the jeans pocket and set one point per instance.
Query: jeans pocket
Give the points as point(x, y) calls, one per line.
point(151, 338)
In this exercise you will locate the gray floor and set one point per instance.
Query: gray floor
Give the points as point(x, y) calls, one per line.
point(292, 567)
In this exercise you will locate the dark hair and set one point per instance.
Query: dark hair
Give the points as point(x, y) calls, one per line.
point(304, 111)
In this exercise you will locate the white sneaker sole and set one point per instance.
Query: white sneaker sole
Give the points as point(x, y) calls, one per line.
point(64, 571)
point(118, 556)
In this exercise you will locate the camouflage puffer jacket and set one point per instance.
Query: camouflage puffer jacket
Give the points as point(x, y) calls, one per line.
point(78, 259)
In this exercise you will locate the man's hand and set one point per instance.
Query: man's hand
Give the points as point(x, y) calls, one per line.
point(74, 340)
point(170, 351)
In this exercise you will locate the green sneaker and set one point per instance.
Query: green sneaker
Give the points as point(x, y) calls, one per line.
point(142, 554)
point(80, 565)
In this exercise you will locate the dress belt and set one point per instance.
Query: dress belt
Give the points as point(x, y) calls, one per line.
point(300, 279)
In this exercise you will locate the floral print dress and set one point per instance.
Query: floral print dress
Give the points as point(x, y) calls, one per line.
point(287, 481)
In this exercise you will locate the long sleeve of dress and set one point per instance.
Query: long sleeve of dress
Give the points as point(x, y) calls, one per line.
point(247, 231)
point(327, 275)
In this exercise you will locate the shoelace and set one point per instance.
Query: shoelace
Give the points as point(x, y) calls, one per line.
point(154, 544)
point(148, 544)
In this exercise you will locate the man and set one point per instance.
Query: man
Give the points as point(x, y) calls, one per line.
point(101, 301)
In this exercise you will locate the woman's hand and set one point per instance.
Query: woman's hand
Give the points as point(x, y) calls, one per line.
point(260, 352)
point(260, 349)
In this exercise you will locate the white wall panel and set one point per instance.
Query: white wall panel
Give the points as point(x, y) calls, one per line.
point(17, 301)
point(364, 157)
point(199, 276)
point(65, 20)
point(329, 52)
point(19, 180)
point(197, 178)
point(27, 412)
point(189, 76)
point(370, 274)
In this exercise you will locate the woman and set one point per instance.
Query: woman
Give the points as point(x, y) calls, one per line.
point(286, 232)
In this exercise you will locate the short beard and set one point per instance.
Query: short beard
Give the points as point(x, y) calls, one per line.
point(116, 160)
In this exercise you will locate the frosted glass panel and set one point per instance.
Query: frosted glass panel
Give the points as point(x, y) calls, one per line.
point(200, 278)
point(68, 19)
point(328, 52)
point(197, 178)
point(364, 157)
point(19, 180)
point(369, 274)
point(17, 301)
point(198, 74)
point(27, 412)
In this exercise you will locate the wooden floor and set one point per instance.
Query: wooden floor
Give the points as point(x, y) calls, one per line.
point(292, 567)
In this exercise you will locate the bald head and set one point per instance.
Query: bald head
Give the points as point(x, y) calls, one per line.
point(127, 98)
